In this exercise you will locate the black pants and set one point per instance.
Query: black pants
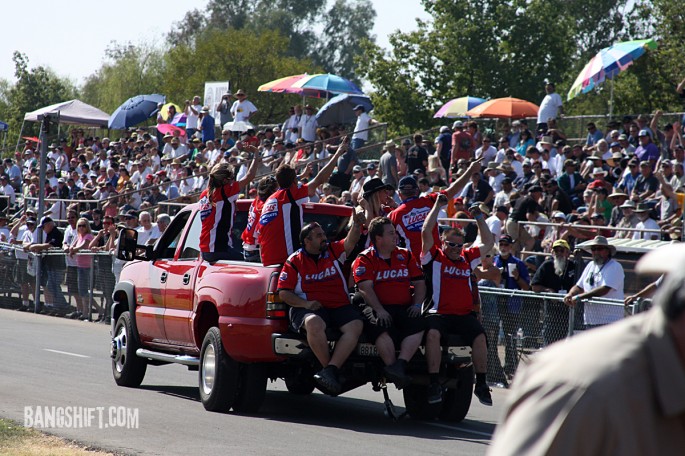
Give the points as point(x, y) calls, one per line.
point(231, 254)
point(510, 324)
point(556, 321)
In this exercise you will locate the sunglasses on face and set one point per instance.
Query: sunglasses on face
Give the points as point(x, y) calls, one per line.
point(558, 249)
point(595, 249)
point(453, 244)
point(81, 226)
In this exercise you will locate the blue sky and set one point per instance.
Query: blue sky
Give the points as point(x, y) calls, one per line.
point(71, 37)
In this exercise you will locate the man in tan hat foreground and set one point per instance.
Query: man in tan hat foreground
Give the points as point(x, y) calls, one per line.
point(602, 278)
point(618, 390)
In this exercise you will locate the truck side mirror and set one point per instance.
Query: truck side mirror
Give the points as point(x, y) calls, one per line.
point(128, 243)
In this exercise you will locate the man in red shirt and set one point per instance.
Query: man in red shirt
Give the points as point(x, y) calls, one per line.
point(409, 216)
point(265, 188)
point(463, 144)
point(281, 219)
point(313, 284)
point(384, 274)
point(448, 270)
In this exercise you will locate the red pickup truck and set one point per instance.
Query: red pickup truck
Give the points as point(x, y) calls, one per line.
point(225, 320)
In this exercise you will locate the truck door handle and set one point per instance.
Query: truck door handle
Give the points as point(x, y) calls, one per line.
point(163, 277)
point(186, 278)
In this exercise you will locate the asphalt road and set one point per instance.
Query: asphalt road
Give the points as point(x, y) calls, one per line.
point(48, 361)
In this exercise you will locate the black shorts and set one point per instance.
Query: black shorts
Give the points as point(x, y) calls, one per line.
point(467, 326)
point(334, 318)
point(402, 324)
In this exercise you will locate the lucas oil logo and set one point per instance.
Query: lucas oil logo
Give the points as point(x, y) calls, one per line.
point(415, 218)
point(457, 271)
point(392, 274)
point(328, 272)
point(205, 208)
point(269, 211)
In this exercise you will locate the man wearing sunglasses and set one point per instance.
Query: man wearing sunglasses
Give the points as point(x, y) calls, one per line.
point(602, 277)
point(448, 271)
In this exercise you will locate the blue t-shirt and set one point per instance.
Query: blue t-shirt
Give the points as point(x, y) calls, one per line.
point(207, 128)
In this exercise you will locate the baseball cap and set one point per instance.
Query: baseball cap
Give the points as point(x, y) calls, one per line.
point(408, 183)
point(561, 243)
point(356, 169)
point(506, 239)
point(44, 221)
point(643, 133)
point(458, 124)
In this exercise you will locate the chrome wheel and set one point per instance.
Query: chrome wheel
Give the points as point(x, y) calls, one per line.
point(208, 369)
point(119, 348)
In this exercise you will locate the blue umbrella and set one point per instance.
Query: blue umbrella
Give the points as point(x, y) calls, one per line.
point(339, 109)
point(134, 111)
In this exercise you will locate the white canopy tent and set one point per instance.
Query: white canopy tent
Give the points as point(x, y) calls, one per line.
point(72, 112)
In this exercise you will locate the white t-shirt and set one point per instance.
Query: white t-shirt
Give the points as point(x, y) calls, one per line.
point(549, 108)
point(70, 234)
point(241, 110)
point(307, 128)
point(594, 276)
point(495, 225)
point(363, 121)
point(145, 235)
point(488, 154)
point(7, 190)
point(191, 121)
point(649, 224)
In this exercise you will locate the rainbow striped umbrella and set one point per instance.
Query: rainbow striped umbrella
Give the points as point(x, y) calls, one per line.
point(457, 107)
point(286, 85)
point(608, 63)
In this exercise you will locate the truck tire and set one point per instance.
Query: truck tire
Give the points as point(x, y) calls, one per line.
point(218, 374)
point(456, 402)
point(416, 403)
point(128, 369)
point(300, 385)
point(252, 388)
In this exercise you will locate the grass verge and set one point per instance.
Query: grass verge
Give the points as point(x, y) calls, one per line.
point(16, 440)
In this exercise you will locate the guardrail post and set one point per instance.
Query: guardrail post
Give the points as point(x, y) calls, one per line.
point(571, 320)
point(91, 301)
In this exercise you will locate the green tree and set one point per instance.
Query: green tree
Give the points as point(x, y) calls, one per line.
point(490, 48)
point(246, 60)
point(344, 25)
point(35, 88)
point(128, 70)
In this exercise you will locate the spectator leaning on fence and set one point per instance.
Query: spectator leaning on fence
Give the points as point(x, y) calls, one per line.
point(602, 278)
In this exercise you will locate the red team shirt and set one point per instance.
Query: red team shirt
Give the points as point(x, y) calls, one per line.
point(390, 281)
point(253, 215)
point(320, 280)
point(450, 280)
point(280, 215)
point(408, 219)
point(217, 214)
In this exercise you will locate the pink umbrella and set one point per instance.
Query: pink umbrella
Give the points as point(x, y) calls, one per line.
point(170, 129)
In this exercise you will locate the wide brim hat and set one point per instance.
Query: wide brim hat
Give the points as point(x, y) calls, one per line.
point(599, 241)
point(642, 207)
point(375, 185)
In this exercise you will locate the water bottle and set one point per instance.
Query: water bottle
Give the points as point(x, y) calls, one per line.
point(519, 339)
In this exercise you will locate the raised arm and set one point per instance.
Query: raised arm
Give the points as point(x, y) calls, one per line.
point(353, 235)
point(252, 171)
point(427, 240)
point(483, 230)
point(326, 171)
point(462, 180)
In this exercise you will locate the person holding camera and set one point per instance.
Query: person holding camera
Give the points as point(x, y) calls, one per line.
point(223, 107)
point(453, 309)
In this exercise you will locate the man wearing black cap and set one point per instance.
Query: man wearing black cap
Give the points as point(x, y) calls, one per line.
point(409, 216)
point(361, 128)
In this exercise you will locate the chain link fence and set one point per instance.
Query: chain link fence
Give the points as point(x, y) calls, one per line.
point(518, 323)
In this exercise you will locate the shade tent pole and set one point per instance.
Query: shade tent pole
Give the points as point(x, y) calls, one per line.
point(21, 130)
